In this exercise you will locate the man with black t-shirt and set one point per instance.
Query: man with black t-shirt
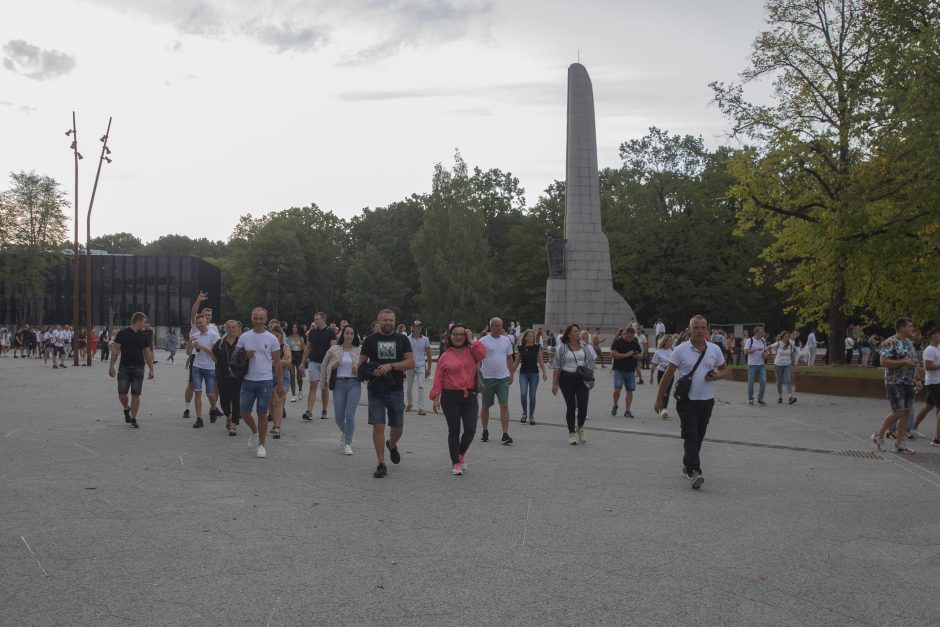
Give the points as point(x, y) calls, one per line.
point(133, 346)
point(319, 340)
point(624, 350)
point(389, 355)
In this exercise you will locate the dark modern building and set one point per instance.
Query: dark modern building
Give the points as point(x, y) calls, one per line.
point(163, 287)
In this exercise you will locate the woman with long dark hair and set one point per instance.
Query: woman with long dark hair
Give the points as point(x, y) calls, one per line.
point(296, 341)
point(529, 356)
point(455, 391)
point(343, 359)
point(572, 358)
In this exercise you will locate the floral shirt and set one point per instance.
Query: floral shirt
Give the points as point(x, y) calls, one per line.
point(896, 348)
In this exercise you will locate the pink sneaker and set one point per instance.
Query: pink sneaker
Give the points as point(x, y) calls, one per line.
point(463, 462)
point(456, 470)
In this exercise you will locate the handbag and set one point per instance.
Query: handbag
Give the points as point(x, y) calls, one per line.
point(582, 371)
point(684, 384)
point(332, 382)
point(238, 363)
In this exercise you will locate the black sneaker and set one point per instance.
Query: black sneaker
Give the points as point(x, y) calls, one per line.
point(696, 479)
point(307, 415)
point(628, 414)
point(485, 437)
point(761, 402)
point(198, 423)
point(506, 439)
point(613, 412)
point(61, 365)
point(53, 365)
point(380, 471)
point(134, 423)
point(185, 413)
point(127, 416)
point(393, 452)
point(323, 415)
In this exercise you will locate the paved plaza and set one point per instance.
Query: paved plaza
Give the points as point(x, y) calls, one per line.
point(797, 522)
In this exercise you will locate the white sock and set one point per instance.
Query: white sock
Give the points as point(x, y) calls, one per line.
point(188, 405)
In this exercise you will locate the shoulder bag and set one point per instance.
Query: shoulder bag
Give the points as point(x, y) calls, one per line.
point(684, 384)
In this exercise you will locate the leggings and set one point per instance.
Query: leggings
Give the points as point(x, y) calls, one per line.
point(659, 377)
point(576, 398)
point(528, 385)
point(459, 409)
point(230, 390)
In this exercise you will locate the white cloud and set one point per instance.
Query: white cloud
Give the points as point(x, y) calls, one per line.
point(26, 59)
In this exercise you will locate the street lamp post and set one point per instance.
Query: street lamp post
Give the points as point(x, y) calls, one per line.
point(88, 300)
point(77, 155)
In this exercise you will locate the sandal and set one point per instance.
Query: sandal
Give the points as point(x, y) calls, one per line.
point(531, 420)
point(523, 420)
point(903, 450)
point(232, 432)
point(276, 433)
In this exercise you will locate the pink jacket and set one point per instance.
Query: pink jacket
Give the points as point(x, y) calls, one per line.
point(458, 372)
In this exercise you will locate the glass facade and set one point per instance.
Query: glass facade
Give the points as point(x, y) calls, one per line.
point(162, 287)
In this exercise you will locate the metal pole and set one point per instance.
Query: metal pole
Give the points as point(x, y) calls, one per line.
point(75, 251)
point(91, 203)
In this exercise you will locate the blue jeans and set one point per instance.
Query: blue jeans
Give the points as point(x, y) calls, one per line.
point(752, 372)
point(528, 384)
point(346, 396)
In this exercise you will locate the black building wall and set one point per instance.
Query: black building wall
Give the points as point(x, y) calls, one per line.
point(163, 287)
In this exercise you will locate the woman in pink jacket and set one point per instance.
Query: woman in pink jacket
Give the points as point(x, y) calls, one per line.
point(455, 389)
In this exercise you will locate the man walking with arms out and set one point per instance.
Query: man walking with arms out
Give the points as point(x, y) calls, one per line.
point(897, 357)
point(704, 362)
point(133, 346)
point(421, 349)
point(383, 359)
point(319, 340)
point(263, 351)
point(497, 372)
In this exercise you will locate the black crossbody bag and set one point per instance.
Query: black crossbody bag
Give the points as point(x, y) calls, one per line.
point(684, 384)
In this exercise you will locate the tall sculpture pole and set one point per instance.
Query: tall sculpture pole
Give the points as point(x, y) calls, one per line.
point(105, 151)
point(77, 155)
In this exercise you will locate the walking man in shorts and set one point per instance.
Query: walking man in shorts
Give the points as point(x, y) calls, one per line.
point(388, 356)
point(203, 368)
point(624, 351)
point(319, 340)
point(264, 351)
point(497, 370)
point(133, 346)
point(897, 357)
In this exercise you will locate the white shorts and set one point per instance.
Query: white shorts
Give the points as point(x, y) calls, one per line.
point(313, 371)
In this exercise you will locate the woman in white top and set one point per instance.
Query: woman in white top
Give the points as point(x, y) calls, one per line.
point(660, 359)
point(785, 353)
point(571, 354)
point(343, 359)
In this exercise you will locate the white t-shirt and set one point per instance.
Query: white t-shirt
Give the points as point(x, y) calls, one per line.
point(207, 339)
point(58, 337)
point(932, 353)
point(783, 353)
point(811, 340)
point(684, 357)
point(660, 328)
point(756, 358)
point(661, 358)
point(497, 350)
point(417, 349)
point(344, 370)
point(264, 344)
point(572, 360)
point(849, 343)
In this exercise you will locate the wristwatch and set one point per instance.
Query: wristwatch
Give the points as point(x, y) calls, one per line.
point(392, 365)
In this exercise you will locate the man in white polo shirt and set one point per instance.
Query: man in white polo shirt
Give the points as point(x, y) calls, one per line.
point(421, 349)
point(706, 363)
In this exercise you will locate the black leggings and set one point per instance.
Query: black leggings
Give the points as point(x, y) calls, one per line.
point(459, 409)
point(576, 398)
point(659, 377)
point(230, 391)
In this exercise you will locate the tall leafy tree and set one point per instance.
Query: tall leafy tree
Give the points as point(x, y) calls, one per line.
point(118, 243)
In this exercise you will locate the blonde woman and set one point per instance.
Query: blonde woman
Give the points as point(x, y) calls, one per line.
point(785, 357)
point(529, 361)
point(278, 397)
point(343, 359)
point(661, 361)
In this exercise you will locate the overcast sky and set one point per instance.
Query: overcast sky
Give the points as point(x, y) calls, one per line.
point(225, 107)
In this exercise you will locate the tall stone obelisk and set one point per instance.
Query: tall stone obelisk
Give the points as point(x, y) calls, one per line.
point(580, 287)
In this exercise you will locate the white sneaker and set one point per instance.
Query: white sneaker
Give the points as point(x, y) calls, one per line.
point(456, 470)
point(664, 414)
point(293, 399)
point(262, 452)
point(252, 440)
point(347, 450)
point(300, 395)
point(914, 434)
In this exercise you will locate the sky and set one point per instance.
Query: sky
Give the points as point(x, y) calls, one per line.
point(227, 107)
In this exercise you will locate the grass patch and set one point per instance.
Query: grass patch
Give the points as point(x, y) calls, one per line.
point(842, 372)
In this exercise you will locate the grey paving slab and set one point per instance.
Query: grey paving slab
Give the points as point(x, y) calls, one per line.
point(102, 524)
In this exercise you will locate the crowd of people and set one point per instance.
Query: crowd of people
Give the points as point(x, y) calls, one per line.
point(249, 374)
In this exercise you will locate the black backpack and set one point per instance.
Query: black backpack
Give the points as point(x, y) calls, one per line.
point(238, 364)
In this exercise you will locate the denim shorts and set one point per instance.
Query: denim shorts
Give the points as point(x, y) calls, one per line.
point(285, 378)
point(313, 371)
point(255, 392)
point(132, 378)
point(901, 396)
point(391, 402)
point(623, 379)
point(204, 374)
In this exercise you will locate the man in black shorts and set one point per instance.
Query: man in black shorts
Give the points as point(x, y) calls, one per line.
point(133, 346)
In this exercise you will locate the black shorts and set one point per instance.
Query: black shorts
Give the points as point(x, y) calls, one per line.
point(130, 377)
point(933, 394)
point(296, 358)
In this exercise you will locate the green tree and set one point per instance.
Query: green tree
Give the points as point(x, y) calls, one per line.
point(183, 245)
point(827, 173)
point(33, 228)
point(118, 243)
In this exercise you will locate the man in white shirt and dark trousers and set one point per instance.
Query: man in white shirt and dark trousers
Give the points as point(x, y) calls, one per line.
point(705, 362)
point(421, 349)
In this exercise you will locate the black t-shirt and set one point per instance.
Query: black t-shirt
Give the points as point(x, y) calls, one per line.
point(529, 359)
point(387, 349)
point(132, 344)
point(319, 342)
point(621, 345)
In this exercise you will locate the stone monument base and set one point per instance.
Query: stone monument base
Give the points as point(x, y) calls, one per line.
point(587, 304)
